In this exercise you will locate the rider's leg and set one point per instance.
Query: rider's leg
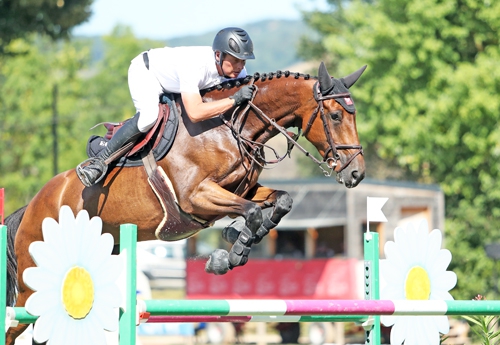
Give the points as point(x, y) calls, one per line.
point(144, 90)
point(95, 171)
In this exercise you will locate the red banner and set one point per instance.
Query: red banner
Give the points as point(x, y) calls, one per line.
point(2, 200)
point(278, 279)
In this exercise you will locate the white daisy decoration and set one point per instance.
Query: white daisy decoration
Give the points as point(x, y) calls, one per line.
point(415, 269)
point(76, 296)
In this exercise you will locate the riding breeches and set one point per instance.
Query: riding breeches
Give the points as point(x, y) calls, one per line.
point(145, 91)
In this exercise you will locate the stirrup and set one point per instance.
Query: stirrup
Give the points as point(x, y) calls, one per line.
point(99, 165)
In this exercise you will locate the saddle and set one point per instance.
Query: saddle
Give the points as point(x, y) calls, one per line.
point(149, 149)
point(158, 139)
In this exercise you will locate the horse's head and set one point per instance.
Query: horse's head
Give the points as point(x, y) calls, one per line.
point(334, 134)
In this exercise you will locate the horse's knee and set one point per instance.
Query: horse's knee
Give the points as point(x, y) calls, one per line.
point(253, 217)
point(282, 207)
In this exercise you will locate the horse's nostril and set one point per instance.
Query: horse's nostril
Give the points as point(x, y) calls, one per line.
point(355, 174)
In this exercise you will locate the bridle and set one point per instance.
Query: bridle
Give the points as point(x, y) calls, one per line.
point(335, 157)
point(255, 154)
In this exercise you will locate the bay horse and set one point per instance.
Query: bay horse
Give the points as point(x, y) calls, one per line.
point(213, 167)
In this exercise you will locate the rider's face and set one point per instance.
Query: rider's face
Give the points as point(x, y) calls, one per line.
point(232, 66)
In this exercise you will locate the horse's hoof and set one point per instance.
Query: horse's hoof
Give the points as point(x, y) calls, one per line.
point(218, 262)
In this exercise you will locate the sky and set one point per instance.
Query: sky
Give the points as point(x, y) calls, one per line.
point(164, 19)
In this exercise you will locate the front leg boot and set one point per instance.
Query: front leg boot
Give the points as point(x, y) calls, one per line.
point(238, 256)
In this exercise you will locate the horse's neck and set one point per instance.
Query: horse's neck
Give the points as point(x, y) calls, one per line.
point(280, 102)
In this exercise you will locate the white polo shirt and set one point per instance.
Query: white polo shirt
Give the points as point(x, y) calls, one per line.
point(185, 69)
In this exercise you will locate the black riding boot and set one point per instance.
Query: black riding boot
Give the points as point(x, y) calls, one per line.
point(96, 168)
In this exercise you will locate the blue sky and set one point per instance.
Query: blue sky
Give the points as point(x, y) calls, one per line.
point(163, 19)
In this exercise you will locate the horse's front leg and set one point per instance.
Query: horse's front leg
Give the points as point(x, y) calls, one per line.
point(242, 237)
point(211, 199)
point(266, 197)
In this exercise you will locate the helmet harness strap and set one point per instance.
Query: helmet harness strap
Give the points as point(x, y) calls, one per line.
point(221, 60)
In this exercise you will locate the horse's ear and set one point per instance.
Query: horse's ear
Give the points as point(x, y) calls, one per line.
point(349, 80)
point(325, 81)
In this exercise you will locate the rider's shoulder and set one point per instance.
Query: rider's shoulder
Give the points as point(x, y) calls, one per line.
point(183, 50)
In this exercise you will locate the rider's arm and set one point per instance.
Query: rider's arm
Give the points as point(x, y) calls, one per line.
point(197, 110)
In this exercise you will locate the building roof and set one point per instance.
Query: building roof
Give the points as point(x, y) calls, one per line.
point(322, 202)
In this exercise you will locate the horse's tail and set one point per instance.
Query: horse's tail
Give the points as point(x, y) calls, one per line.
point(12, 223)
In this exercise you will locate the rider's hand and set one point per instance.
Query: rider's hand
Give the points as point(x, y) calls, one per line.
point(244, 94)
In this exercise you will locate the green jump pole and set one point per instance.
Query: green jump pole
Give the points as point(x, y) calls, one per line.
point(128, 244)
point(372, 285)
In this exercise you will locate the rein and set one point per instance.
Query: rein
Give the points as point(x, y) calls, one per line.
point(256, 147)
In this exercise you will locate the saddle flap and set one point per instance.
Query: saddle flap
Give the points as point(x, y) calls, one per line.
point(155, 133)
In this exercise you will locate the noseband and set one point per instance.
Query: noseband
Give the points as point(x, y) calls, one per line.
point(335, 157)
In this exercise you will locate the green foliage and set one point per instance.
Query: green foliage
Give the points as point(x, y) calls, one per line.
point(484, 327)
point(19, 18)
point(427, 105)
point(86, 94)
point(28, 83)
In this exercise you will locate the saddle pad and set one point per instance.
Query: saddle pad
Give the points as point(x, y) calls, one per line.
point(97, 143)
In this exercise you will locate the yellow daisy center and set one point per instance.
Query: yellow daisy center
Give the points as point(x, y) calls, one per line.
point(78, 292)
point(418, 284)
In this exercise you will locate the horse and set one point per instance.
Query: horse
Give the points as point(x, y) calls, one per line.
point(213, 167)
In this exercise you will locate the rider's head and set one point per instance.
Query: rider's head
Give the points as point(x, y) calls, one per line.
point(232, 47)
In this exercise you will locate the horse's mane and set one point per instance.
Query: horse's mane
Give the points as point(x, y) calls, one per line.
point(257, 76)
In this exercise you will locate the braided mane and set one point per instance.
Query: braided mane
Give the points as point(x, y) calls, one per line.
point(257, 76)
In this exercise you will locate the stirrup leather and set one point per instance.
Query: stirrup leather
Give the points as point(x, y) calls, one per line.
point(98, 164)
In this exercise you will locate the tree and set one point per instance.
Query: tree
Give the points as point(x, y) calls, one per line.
point(19, 18)
point(87, 95)
point(29, 77)
point(427, 106)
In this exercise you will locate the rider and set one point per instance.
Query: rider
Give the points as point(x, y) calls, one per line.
point(184, 70)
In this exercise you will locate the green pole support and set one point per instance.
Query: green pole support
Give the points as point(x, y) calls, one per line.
point(3, 279)
point(372, 285)
point(128, 243)
point(23, 316)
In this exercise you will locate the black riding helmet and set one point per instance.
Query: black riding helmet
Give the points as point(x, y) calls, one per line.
point(235, 42)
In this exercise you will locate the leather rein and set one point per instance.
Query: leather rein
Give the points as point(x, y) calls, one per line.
point(254, 150)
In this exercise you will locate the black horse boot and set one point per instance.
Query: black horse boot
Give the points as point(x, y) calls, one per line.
point(94, 169)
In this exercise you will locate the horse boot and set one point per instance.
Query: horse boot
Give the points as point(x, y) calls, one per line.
point(238, 255)
point(264, 229)
point(220, 261)
point(94, 169)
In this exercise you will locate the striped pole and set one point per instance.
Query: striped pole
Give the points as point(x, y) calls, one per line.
point(282, 318)
point(252, 307)
point(296, 310)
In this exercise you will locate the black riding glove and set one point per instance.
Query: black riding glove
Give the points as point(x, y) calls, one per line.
point(244, 94)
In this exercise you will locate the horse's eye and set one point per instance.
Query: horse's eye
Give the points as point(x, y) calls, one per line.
point(336, 115)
